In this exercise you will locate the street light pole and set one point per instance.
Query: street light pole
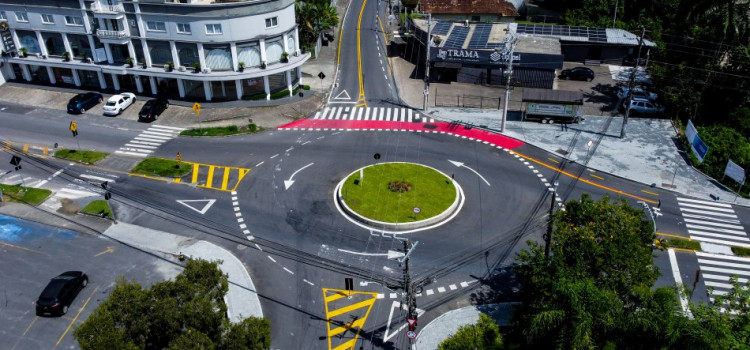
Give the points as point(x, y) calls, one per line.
point(548, 236)
point(428, 43)
point(510, 46)
point(631, 83)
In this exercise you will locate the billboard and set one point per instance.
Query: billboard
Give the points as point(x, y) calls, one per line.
point(550, 109)
point(697, 145)
point(735, 172)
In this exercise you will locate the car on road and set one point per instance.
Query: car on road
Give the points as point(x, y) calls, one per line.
point(153, 109)
point(60, 293)
point(642, 106)
point(577, 73)
point(638, 92)
point(117, 103)
point(82, 102)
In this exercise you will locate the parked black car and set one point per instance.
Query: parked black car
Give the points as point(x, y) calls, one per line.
point(81, 102)
point(577, 73)
point(60, 293)
point(153, 109)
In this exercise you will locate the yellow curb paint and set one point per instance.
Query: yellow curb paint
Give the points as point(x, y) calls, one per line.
point(553, 160)
point(210, 176)
point(596, 176)
point(225, 179)
point(649, 192)
point(195, 173)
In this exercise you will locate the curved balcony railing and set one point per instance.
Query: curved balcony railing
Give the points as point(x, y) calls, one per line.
point(111, 34)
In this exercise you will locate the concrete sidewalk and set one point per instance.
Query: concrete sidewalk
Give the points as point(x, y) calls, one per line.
point(448, 323)
point(241, 299)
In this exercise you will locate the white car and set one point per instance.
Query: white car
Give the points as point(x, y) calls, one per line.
point(117, 103)
point(637, 93)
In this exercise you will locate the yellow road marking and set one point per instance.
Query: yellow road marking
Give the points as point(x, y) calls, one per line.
point(19, 247)
point(671, 235)
point(29, 327)
point(25, 148)
point(553, 160)
point(108, 250)
point(210, 176)
point(683, 249)
point(45, 151)
point(649, 192)
point(341, 32)
point(7, 145)
point(75, 318)
point(346, 309)
point(596, 176)
point(357, 323)
point(585, 180)
point(195, 173)
point(225, 179)
point(361, 96)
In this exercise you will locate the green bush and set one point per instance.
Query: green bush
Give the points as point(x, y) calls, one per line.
point(724, 144)
point(681, 243)
point(98, 207)
point(256, 97)
point(280, 94)
point(741, 251)
point(305, 87)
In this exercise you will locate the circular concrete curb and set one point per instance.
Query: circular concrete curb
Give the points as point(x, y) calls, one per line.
point(436, 220)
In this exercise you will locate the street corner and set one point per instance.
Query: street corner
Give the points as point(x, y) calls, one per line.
point(346, 313)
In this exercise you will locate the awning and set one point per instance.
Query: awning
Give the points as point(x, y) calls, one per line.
point(453, 65)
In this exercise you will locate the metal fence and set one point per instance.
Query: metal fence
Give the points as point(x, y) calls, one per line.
point(466, 101)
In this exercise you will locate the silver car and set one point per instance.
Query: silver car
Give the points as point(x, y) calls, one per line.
point(642, 106)
point(117, 103)
point(638, 92)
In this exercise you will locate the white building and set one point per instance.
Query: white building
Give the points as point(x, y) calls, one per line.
point(219, 50)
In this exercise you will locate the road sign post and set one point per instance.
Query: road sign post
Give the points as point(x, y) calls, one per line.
point(411, 334)
point(179, 157)
point(321, 76)
point(197, 109)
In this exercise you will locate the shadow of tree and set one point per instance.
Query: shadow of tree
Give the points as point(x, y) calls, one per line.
point(500, 286)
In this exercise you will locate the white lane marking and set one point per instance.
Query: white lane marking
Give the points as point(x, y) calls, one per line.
point(716, 204)
point(131, 153)
point(441, 289)
point(50, 178)
point(677, 277)
point(289, 149)
point(139, 145)
point(306, 142)
point(288, 270)
point(429, 292)
point(257, 246)
point(453, 287)
point(167, 127)
point(257, 165)
point(394, 295)
point(381, 295)
point(274, 156)
point(464, 284)
point(270, 258)
point(310, 283)
point(365, 254)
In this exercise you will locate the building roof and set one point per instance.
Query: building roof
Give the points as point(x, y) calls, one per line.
point(579, 34)
point(552, 96)
point(500, 7)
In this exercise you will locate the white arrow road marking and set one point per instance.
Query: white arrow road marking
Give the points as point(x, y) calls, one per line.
point(209, 203)
point(459, 164)
point(395, 305)
point(290, 182)
point(392, 254)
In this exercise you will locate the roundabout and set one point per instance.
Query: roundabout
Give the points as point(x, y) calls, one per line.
point(398, 197)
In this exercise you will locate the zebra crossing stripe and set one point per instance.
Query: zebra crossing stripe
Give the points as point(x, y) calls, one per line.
point(715, 204)
point(714, 229)
point(730, 221)
point(716, 224)
point(410, 116)
point(704, 212)
point(171, 128)
point(338, 112)
point(705, 207)
point(736, 272)
point(367, 113)
point(402, 116)
point(724, 257)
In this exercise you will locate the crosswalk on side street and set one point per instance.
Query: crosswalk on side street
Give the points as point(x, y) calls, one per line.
point(712, 222)
point(391, 114)
point(149, 140)
point(716, 269)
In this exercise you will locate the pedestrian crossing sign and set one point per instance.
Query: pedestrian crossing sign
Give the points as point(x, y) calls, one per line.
point(197, 108)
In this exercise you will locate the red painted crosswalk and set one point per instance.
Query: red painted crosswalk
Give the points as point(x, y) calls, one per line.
point(377, 125)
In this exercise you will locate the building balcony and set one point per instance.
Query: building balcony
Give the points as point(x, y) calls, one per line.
point(113, 36)
point(99, 8)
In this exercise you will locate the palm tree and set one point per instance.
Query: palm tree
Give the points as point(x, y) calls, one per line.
point(314, 16)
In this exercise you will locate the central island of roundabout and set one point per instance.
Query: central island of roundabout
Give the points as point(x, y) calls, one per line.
point(398, 197)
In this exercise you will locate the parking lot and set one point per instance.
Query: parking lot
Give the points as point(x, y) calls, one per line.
point(31, 254)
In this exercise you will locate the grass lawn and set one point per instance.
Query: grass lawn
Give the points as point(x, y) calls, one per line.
point(683, 243)
point(99, 208)
point(741, 251)
point(222, 130)
point(431, 191)
point(29, 195)
point(162, 167)
point(89, 157)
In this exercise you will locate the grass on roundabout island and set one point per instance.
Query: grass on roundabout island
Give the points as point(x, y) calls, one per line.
point(222, 130)
point(30, 195)
point(430, 190)
point(162, 167)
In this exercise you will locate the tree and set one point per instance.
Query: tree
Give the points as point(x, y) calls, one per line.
point(485, 335)
point(313, 17)
point(595, 288)
point(187, 313)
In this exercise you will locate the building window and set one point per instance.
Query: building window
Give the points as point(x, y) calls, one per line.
point(48, 19)
point(183, 28)
point(272, 22)
point(156, 26)
point(213, 28)
point(73, 21)
point(22, 17)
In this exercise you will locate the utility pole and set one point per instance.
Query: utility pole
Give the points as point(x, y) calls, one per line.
point(409, 288)
point(428, 43)
point(548, 236)
point(631, 83)
point(614, 19)
point(509, 47)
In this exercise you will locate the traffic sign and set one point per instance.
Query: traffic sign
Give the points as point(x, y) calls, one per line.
point(321, 75)
point(15, 160)
point(411, 334)
point(7, 38)
point(197, 108)
point(179, 157)
point(349, 283)
point(412, 322)
point(417, 210)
